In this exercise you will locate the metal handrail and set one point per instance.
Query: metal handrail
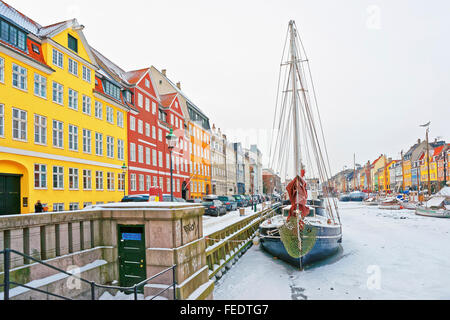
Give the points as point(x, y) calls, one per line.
point(7, 283)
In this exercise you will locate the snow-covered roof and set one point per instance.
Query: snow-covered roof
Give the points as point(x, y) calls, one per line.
point(19, 18)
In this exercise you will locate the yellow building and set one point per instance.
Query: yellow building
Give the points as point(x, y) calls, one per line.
point(380, 162)
point(61, 142)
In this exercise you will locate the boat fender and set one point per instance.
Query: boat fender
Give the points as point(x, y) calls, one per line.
point(329, 221)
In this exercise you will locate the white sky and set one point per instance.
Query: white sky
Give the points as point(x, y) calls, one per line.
point(381, 68)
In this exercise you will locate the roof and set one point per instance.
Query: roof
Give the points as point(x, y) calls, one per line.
point(438, 150)
point(373, 163)
point(134, 77)
point(167, 99)
point(19, 18)
point(111, 69)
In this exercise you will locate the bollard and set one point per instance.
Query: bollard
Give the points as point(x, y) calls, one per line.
point(6, 273)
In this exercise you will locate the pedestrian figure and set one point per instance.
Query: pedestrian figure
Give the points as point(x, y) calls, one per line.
point(38, 207)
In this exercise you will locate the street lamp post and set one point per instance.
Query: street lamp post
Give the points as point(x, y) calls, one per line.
point(124, 171)
point(171, 142)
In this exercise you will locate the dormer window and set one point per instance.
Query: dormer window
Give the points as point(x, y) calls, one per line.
point(111, 89)
point(128, 96)
point(72, 43)
point(35, 48)
point(13, 35)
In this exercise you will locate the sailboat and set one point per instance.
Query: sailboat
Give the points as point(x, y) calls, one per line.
point(309, 229)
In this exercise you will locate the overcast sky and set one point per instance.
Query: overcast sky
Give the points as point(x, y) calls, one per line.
point(381, 67)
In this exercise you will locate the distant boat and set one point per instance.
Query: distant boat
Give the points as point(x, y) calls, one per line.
point(438, 206)
point(372, 201)
point(391, 204)
point(357, 196)
point(345, 197)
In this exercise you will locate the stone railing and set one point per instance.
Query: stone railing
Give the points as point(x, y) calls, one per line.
point(225, 246)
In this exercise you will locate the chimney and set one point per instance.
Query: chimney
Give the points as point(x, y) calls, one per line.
point(179, 85)
point(418, 141)
point(164, 72)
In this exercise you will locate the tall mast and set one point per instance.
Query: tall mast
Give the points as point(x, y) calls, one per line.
point(297, 161)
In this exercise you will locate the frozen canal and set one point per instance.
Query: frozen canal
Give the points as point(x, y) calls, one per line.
point(386, 255)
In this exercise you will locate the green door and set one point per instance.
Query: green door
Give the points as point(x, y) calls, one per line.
point(9, 194)
point(132, 265)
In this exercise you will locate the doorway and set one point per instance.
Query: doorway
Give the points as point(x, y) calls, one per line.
point(9, 194)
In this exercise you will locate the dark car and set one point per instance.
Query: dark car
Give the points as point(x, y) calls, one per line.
point(214, 207)
point(229, 202)
point(136, 198)
point(241, 202)
point(249, 200)
point(194, 201)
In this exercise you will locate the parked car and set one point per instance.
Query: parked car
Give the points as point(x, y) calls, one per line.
point(136, 198)
point(210, 197)
point(229, 202)
point(241, 201)
point(214, 208)
point(194, 201)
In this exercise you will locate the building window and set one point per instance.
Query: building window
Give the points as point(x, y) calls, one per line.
point(86, 74)
point(72, 43)
point(110, 114)
point(110, 181)
point(141, 182)
point(87, 179)
point(161, 183)
point(19, 124)
point(147, 130)
point(74, 206)
point(98, 110)
point(147, 83)
point(168, 185)
point(160, 157)
point(132, 123)
point(149, 183)
point(153, 132)
point(19, 77)
point(58, 92)
point(58, 178)
point(40, 85)
point(120, 119)
point(160, 136)
point(132, 152)
point(111, 89)
point(147, 156)
point(154, 159)
point(153, 107)
point(73, 99)
point(58, 207)
point(140, 154)
point(109, 147)
point(140, 100)
point(58, 134)
point(73, 138)
point(140, 127)
point(40, 129)
point(40, 176)
point(99, 180)
point(98, 144)
point(2, 70)
point(121, 182)
point(58, 59)
point(133, 182)
point(155, 181)
point(73, 67)
point(73, 179)
point(86, 141)
point(120, 149)
point(168, 161)
point(87, 103)
point(2, 120)
point(147, 104)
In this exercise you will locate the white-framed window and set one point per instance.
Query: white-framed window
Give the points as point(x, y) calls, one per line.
point(58, 59)
point(168, 184)
point(140, 154)
point(73, 206)
point(58, 178)
point(171, 119)
point(167, 161)
point(140, 100)
point(19, 124)
point(154, 159)
point(153, 132)
point(73, 67)
point(98, 144)
point(99, 180)
point(110, 115)
point(87, 143)
point(120, 149)
point(109, 147)
point(2, 70)
point(58, 134)
point(73, 99)
point(2, 120)
point(120, 119)
point(147, 104)
point(87, 179)
point(149, 183)
point(133, 182)
point(161, 183)
point(147, 129)
point(58, 207)
point(40, 86)
point(160, 135)
point(73, 138)
point(110, 181)
point(58, 93)
point(40, 176)
point(87, 104)
point(147, 156)
point(98, 110)
point(132, 123)
point(121, 181)
point(19, 77)
point(147, 83)
point(141, 182)
point(86, 74)
point(160, 157)
point(73, 179)
point(155, 181)
point(153, 107)
point(40, 129)
point(132, 152)
point(140, 126)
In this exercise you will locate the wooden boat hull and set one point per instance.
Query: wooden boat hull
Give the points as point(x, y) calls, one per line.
point(328, 242)
point(390, 207)
point(435, 213)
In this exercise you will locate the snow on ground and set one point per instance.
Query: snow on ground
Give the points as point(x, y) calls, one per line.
point(386, 254)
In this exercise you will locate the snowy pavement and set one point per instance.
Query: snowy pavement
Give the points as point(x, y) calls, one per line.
point(385, 255)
